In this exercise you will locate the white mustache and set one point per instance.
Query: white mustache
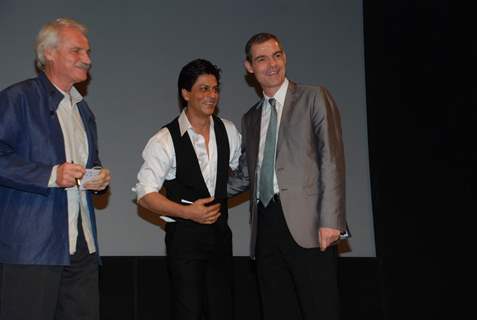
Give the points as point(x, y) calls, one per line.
point(84, 66)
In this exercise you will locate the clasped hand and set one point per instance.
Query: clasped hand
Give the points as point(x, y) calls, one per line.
point(67, 175)
point(200, 212)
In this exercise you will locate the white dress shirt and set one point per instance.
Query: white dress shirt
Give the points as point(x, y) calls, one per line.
point(160, 159)
point(280, 101)
point(76, 151)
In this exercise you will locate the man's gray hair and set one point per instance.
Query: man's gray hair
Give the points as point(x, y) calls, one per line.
point(48, 37)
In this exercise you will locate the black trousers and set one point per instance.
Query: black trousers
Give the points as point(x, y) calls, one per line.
point(294, 282)
point(199, 260)
point(41, 292)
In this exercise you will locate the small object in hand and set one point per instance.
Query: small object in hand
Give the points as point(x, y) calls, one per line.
point(90, 174)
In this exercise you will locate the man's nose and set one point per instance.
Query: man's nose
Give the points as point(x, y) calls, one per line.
point(273, 62)
point(86, 58)
point(212, 93)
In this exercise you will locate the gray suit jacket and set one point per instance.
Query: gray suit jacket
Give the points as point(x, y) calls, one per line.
point(310, 164)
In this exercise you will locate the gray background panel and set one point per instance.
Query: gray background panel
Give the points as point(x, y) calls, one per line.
point(139, 48)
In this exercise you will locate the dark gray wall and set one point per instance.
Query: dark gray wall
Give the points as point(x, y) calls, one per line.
point(138, 50)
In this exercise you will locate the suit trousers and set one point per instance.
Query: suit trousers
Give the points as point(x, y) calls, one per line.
point(199, 261)
point(294, 282)
point(43, 292)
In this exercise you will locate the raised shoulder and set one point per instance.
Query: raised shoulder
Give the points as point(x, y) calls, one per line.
point(161, 137)
point(312, 89)
point(253, 109)
point(319, 94)
point(159, 146)
point(28, 87)
point(229, 125)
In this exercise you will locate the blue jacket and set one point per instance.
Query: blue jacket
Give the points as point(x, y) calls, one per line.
point(33, 217)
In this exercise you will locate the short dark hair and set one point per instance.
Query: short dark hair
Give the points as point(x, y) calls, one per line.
point(191, 71)
point(257, 39)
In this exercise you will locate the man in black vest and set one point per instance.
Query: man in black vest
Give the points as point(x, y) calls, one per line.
point(191, 157)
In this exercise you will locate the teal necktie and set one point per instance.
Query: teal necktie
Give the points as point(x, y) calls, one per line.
point(267, 170)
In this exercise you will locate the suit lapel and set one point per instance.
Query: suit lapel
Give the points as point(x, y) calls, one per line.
point(56, 133)
point(252, 134)
point(287, 106)
point(52, 98)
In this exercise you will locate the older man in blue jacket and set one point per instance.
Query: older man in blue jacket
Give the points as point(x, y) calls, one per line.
point(48, 244)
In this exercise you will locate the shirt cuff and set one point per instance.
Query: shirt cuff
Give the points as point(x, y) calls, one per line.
point(142, 190)
point(52, 181)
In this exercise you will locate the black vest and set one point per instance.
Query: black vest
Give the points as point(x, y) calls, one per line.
point(189, 183)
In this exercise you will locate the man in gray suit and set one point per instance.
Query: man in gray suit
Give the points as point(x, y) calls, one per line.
point(293, 161)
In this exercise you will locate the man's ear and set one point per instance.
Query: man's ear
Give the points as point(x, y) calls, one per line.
point(248, 66)
point(49, 54)
point(185, 94)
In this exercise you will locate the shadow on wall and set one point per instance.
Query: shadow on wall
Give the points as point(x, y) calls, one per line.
point(253, 83)
point(101, 200)
point(150, 216)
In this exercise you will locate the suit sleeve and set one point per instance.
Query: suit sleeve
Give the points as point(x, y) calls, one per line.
point(327, 129)
point(16, 171)
point(239, 179)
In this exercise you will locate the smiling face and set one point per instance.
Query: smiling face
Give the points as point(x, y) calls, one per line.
point(68, 62)
point(203, 96)
point(268, 64)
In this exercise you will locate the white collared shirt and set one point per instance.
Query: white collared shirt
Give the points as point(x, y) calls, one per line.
point(160, 159)
point(76, 151)
point(280, 101)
